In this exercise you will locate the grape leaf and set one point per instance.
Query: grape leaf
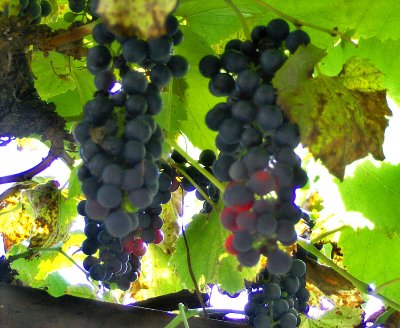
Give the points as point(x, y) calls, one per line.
point(371, 256)
point(210, 262)
point(81, 290)
point(341, 118)
point(372, 190)
point(55, 284)
point(170, 215)
point(205, 236)
point(52, 74)
point(376, 51)
point(369, 19)
point(159, 277)
point(337, 317)
point(193, 92)
point(141, 18)
point(74, 184)
point(172, 114)
point(216, 21)
point(44, 204)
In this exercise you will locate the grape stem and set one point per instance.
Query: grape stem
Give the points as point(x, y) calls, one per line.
point(298, 22)
point(182, 317)
point(194, 163)
point(360, 285)
point(386, 284)
point(187, 176)
point(192, 276)
point(198, 312)
point(246, 29)
point(328, 233)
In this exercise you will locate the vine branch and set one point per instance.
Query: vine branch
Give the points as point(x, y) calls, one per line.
point(72, 35)
point(360, 285)
point(30, 173)
point(298, 22)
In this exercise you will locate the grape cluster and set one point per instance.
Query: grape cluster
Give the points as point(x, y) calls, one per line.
point(6, 273)
point(34, 10)
point(78, 6)
point(277, 300)
point(206, 159)
point(256, 143)
point(121, 147)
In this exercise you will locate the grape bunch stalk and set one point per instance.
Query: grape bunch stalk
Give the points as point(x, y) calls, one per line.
point(121, 147)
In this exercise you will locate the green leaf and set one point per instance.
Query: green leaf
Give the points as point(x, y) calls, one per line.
point(68, 104)
point(216, 20)
point(372, 190)
point(227, 275)
point(376, 51)
point(81, 290)
point(74, 184)
point(337, 317)
point(205, 236)
point(369, 19)
point(371, 256)
point(210, 262)
point(67, 212)
point(55, 284)
point(193, 92)
point(172, 114)
point(52, 74)
point(341, 119)
point(164, 280)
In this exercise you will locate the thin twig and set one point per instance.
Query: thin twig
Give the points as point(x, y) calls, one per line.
point(192, 276)
point(298, 22)
point(72, 35)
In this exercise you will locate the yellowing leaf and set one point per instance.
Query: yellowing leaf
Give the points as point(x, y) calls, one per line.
point(142, 18)
point(46, 204)
point(337, 317)
point(341, 118)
